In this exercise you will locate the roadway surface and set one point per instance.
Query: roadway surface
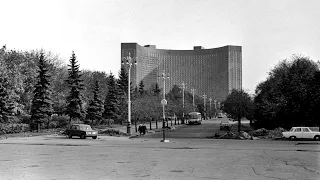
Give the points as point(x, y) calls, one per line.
point(207, 128)
point(60, 158)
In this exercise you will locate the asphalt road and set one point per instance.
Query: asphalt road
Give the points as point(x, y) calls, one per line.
point(60, 158)
point(206, 129)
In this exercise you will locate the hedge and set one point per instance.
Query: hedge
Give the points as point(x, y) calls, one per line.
point(13, 128)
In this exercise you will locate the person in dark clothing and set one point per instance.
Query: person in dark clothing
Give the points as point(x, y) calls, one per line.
point(140, 129)
point(144, 129)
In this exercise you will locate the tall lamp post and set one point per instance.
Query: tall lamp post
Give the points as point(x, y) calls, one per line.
point(194, 106)
point(204, 104)
point(164, 102)
point(129, 61)
point(183, 88)
point(210, 99)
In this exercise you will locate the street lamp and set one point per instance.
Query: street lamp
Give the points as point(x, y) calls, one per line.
point(194, 106)
point(183, 87)
point(204, 104)
point(210, 99)
point(129, 61)
point(164, 102)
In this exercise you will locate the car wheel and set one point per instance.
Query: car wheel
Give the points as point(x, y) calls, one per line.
point(83, 136)
point(292, 138)
point(94, 137)
point(69, 136)
point(317, 138)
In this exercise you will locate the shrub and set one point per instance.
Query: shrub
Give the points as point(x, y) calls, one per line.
point(107, 121)
point(25, 119)
point(77, 122)
point(53, 124)
point(14, 128)
point(59, 121)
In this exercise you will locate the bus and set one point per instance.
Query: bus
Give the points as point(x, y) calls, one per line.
point(194, 118)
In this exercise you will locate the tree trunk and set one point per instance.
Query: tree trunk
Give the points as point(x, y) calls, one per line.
point(135, 125)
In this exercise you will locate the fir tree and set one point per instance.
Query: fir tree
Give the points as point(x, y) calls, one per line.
point(141, 87)
point(123, 93)
point(74, 100)
point(111, 102)
point(95, 109)
point(41, 108)
point(156, 89)
point(123, 82)
point(6, 105)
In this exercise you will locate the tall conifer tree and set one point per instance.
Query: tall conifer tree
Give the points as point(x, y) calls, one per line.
point(156, 89)
point(111, 102)
point(95, 109)
point(74, 99)
point(123, 82)
point(141, 87)
point(41, 108)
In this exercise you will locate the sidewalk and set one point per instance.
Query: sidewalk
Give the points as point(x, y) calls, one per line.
point(153, 129)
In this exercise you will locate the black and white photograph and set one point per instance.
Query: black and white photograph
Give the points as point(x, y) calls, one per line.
point(159, 89)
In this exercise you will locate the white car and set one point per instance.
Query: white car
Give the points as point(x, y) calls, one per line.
point(301, 133)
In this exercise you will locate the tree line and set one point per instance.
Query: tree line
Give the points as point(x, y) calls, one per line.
point(37, 84)
point(290, 96)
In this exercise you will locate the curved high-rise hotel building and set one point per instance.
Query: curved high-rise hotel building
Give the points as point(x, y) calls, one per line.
point(214, 72)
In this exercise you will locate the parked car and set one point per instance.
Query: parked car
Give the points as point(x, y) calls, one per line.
point(224, 124)
point(301, 133)
point(82, 131)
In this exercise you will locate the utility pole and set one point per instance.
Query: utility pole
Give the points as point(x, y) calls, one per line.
point(183, 88)
point(194, 106)
point(210, 99)
point(129, 61)
point(164, 76)
point(204, 104)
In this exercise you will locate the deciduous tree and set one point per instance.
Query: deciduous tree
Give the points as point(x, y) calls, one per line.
point(287, 97)
point(238, 105)
point(6, 105)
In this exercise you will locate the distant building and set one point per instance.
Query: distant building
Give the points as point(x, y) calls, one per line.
point(214, 72)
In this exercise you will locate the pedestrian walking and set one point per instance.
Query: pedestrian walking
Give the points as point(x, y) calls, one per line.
point(144, 129)
point(140, 129)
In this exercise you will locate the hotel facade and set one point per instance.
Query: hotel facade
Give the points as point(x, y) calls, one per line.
point(213, 72)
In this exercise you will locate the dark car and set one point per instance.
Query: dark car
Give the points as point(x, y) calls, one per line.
point(82, 131)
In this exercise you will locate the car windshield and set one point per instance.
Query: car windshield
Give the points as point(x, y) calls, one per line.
point(292, 129)
point(85, 128)
point(194, 115)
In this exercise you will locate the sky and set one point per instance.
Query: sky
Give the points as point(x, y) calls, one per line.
point(268, 30)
